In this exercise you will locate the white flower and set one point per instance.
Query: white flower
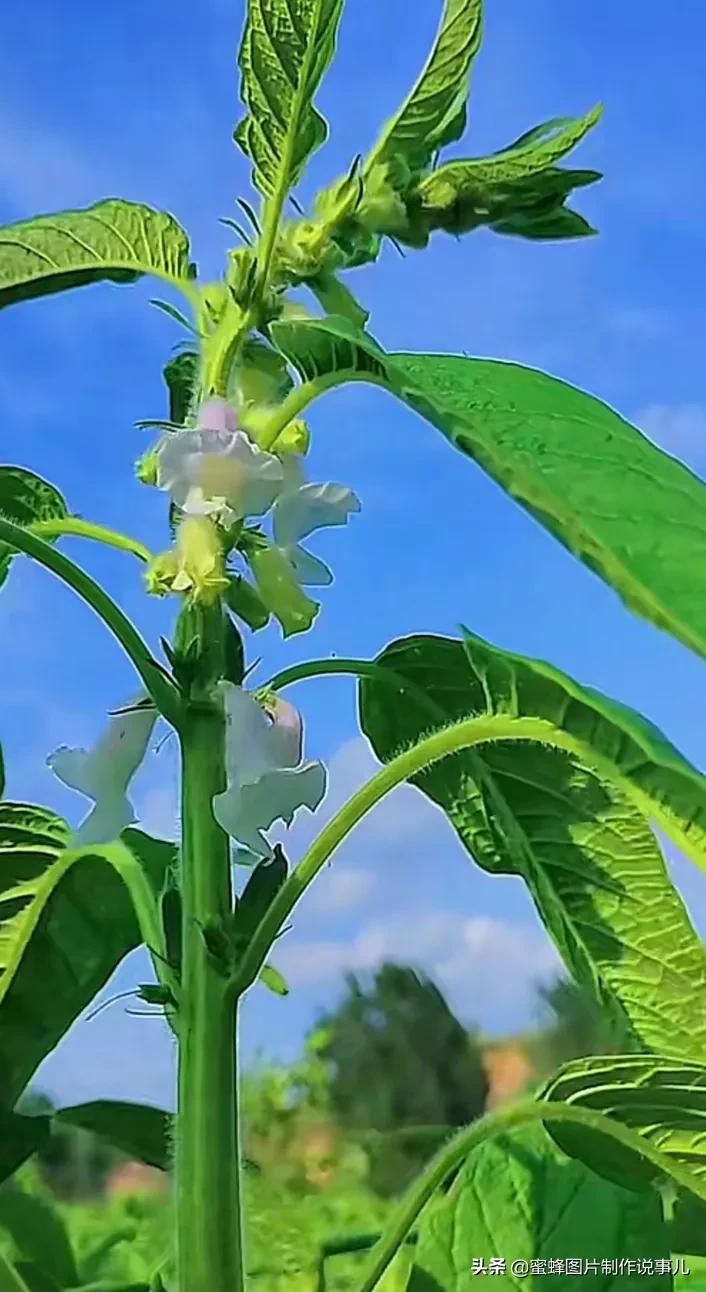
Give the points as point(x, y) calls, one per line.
point(216, 470)
point(104, 773)
point(267, 780)
point(303, 508)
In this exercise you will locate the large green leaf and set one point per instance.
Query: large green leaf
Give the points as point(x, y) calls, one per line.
point(10, 1279)
point(612, 498)
point(66, 922)
point(460, 199)
point(590, 861)
point(112, 241)
point(434, 114)
point(522, 161)
point(35, 1279)
point(518, 1199)
point(38, 1234)
point(20, 1138)
point(472, 676)
point(139, 1130)
point(663, 1099)
point(287, 46)
point(25, 499)
point(331, 351)
point(119, 1287)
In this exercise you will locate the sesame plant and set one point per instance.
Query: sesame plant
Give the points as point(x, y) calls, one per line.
point(540, 776)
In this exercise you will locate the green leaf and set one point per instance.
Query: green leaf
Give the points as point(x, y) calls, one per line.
point(559, 223)
point(333, 347)
point(519, 1199)
point(609, 496)
point(112, 241)
point(335, 298)
point(520, 183)
point(286, 49)
point(518, 162)
point(25, 498)
point(114, 1287)
point(258, 376)
point(544, 131)
point(577, 466)
point(181, 377)
point(36, 1279)
point(139, 1130)
point(100, 1254)
point(591, 863)
point(20, 1138)
point(435, 112)
point(662, 1098)
point(687, 1229)
point(38, 1234)
point(10, 1279)
point(66, 922)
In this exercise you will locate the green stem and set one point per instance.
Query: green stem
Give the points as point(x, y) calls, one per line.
point(299, 399)
point(72, 525)
point(323, 667)
point(457, 1150)
point(442, 743)
point(209, 1227)
point(157, 684)
point(223, 350)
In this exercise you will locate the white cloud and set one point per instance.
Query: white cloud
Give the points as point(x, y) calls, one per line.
point(340, 890)
point(483, 963)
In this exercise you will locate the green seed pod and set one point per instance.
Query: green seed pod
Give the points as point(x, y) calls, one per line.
point(242, 598)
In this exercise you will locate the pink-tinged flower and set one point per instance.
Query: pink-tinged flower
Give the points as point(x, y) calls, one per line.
point(216, 470)
point(104, 773)
point(267, 779)
point(299, 511)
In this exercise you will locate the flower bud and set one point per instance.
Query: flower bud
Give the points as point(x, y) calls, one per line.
point(146, 467)
point(201, 572)
point(161, 573)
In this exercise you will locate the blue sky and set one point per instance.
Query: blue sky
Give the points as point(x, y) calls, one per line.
point(139, 101)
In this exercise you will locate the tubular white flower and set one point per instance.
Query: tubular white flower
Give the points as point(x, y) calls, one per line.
point(216, 470)
point(104, 773)
point(267, 779)
point(299, 511)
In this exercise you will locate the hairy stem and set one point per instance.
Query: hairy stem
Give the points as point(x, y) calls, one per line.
point(457, 1150)
point(449, 740)
point(161, 690)
point(209, 1232)
point(299, 399)
point(349, 668)
point(73, 526)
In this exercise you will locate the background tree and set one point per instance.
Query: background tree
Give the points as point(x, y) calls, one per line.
point(576, 1026)
point(403, 1071)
